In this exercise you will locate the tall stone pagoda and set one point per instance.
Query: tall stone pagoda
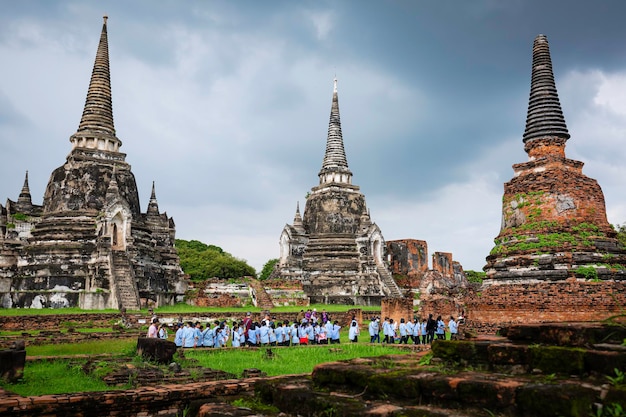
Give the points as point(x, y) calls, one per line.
point(554, 224)
point(334, 248)
point(89, 245)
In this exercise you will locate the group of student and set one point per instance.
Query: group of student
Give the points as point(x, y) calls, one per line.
point(418, 331)
point(308, 330)
point(268, 332)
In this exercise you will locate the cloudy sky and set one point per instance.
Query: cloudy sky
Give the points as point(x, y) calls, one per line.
point(225, 105)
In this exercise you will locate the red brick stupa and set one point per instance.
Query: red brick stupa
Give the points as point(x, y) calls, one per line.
point(554, 238)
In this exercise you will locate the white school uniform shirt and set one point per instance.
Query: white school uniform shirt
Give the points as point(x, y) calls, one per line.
point(373, 328)
point(329, 329)
point(353, 332)
point(416, 329)
point(386, 328)
point(295, 339)
point(453, 326)
point(279, 334)
point(207, 337)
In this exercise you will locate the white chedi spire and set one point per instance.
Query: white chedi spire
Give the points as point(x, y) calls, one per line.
point(335, 165)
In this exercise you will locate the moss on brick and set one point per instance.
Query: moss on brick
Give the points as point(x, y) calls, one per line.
point(558, 359)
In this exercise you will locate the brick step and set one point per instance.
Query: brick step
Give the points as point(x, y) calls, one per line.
point(390, 283)
point(263, 299)
point(568, 334)
point(124, 281)
point(528, 358)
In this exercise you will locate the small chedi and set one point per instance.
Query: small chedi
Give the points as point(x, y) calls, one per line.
point(556, 257)
point(334, 248)
point(89, 245)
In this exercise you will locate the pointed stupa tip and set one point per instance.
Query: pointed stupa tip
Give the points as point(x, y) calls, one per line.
point(297, 218)
point(544, 117)
point(24, 200)
point(98, 111)
point(335, 157)
point(25, 186)
point(153, 206)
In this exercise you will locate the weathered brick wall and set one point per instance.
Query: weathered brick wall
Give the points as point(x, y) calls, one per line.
point(408, 256)
point(56, 322)
point(442, 262)
point(162, 401)
point(397, 308)
point(49, 337)
point(500, 305)
point(443, 306)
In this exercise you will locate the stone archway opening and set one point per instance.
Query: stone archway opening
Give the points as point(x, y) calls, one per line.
point(284, 249)
point(377, 251)
point(118, 232)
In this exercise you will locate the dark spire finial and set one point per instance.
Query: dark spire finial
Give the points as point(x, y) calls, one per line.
point(98, 111)
point(153, 205)
point(24, 201)
point(545, 117)
point(297, 218)
point(335, 161)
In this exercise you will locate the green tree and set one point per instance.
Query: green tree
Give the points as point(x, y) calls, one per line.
point(268, 268)
point(202, 261)
point(475, 276)
point(621, 233)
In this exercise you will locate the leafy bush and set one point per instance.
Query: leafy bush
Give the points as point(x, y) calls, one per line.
point(475, 276)
point(268, 268)
point(588, 272)
point(621, 233)
point(202, 261)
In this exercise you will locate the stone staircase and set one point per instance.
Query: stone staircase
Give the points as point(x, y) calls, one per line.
point(543, 370)
point(390, 283)
point(332, 253)
point(124, 281)
point(263, 299)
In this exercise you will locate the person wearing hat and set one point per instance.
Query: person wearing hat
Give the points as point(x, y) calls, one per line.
point(153, 330)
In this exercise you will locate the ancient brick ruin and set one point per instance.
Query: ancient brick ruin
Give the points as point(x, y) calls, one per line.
point(556, 256)
point(89, 245)
point(335, 249)
point(441, 289)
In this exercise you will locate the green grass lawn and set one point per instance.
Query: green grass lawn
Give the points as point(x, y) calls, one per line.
point(96, 347)
point(64, 376)
point(182, 309)
point(12, 312)
point(55, 377)
point(285, 360)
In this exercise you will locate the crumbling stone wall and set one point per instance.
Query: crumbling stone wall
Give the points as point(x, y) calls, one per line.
point(59, 321)
point(397, 308)
point(496, 306)
point(408, 256)
point(441, 305)
point(165, 400)
point(442, 262)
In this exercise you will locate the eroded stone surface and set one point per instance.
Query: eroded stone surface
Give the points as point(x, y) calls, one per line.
point(89, 245)
point(334, 248)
